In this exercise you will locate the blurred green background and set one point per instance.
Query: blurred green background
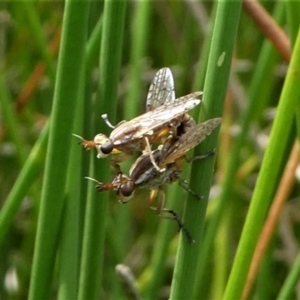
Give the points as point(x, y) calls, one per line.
point(78, 60)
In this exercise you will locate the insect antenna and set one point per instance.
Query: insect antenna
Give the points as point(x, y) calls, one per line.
point(86, 144)
point(102, 186)
point(92, 179)
point(105, 118)
point(78, 136)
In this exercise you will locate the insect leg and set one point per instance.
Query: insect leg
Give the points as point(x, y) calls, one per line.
point(115, 161)
point(198, 157)
point(181, 226)
point(184, 184)
point(160, 210)
point(148, 148)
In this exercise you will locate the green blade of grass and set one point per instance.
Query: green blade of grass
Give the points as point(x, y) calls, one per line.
point(227, 17)
point(262, 79)
point(93, 45)
point(267, 179)
point(38, 34)
point(66, 93)
point(289, 286)
point(152, 278)
point(200, 75)
point(139, 43)
point(36, 158)
point(70, 241)
point(10, 120)
point(96, 209)
point(133, 104)
point(292, 11)
point(28, 174)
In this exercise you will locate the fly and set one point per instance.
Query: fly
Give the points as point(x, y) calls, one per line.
point(164, 114)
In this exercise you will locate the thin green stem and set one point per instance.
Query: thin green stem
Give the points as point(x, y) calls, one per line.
point(64, 106)
point(227, 17)
point(70, 242)
point(292, 11)
point(10, 120)
point(257, 93)
point(96, 207)
point(268, 176)
point(291, 281)
point(29, 172)
point(140, 39)
point(35, 160)
point(38, 34)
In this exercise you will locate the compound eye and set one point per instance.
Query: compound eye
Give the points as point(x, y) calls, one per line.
point(127, 189)
point(106, 148)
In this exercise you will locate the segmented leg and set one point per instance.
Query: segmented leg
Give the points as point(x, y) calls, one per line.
point(161, 210)
point(199, 157)
point(184, 184)
point(115, 161)
point(148, 149)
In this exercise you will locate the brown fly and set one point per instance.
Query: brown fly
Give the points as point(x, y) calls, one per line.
point(164, 114)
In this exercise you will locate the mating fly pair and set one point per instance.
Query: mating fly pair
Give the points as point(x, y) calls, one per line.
point(169, 159)
point(165, 121)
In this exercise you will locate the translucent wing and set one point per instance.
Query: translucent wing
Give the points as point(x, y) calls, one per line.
point(189, 140)
point(161, 90)
point(152, 121)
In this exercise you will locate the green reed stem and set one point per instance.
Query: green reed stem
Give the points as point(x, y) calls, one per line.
point(64, 105)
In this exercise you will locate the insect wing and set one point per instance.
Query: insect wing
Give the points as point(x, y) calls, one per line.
point(189, 140)
point(154, 120)
point(163, 115)
point(161, 90)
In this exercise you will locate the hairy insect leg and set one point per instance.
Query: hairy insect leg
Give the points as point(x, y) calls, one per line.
point(115, 162)
point(199, 157)
point(181, 226)
point(148, 149)
point(184, 184)
point(162, 211)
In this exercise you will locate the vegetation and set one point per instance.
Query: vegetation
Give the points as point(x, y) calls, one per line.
point(63, 65)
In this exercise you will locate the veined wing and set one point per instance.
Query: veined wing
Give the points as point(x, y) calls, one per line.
point(150, 122)
point(161, 90)
point(189, 140)
point(163, 115)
